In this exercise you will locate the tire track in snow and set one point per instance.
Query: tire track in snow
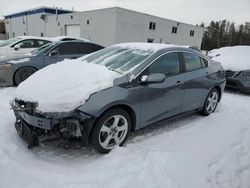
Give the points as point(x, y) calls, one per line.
point(232, 170)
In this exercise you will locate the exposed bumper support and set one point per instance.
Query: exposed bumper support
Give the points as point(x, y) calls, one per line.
point(33, 129)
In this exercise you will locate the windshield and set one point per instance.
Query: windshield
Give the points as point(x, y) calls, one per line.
point(43, 49)
point(9, 41)
point(119, 59)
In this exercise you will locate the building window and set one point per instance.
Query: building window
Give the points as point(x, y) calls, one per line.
point(13, 34)
point(152, 25)
point(24, 34)
point(87, 22)
point(150, 40)
point(191, 33)
point(58, 24)
point(174, 29)
point(71, 17)
point(42, 35)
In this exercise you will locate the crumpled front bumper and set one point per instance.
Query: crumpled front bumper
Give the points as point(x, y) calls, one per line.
point(33, 127)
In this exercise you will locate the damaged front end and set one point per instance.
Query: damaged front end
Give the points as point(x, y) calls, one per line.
point(35, 127)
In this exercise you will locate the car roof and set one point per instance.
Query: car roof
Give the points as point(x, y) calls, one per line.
point(75, 41)
point(155, 47)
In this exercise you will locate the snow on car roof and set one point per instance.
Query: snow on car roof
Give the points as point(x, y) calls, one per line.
point(234, 58)
point(34, 37)
point(147, 46)
point(60, 38)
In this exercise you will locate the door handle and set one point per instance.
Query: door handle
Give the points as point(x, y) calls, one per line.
point(179, 83)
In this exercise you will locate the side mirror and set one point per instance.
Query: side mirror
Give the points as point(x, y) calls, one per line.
point(153, 78)
point(53, 53)
point(16, 48)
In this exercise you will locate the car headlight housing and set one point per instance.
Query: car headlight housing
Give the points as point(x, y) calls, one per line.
point(5, 66)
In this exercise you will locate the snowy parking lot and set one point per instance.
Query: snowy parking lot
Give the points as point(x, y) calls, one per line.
point(191, 152)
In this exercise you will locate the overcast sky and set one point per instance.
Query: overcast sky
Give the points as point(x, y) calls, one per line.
point(189, 11)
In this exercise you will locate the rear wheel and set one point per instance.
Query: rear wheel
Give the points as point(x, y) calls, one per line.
point(22, 74)
point(111, 130)
point(211, 102)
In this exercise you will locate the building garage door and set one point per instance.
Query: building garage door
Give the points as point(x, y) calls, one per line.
point(72, 30)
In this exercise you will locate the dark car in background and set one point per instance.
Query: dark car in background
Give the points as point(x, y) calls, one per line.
point(236, 63)
point(238, 81)
point(154, 82)
point(15, 70)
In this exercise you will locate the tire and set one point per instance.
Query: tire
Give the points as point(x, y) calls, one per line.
point(211, 102)
point(22, 74)
point(111, 129)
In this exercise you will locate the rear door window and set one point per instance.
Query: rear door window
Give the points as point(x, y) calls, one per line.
point(192, 62)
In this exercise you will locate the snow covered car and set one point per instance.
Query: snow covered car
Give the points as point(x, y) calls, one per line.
point(13, 71)
point(236, 62)
point(21, 45)
point(122, 88)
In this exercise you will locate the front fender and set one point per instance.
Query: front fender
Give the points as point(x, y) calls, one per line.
point(101, 101)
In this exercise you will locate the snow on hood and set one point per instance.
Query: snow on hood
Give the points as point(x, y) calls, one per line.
point(66, 85)
point(23, 60)
point(236, 58)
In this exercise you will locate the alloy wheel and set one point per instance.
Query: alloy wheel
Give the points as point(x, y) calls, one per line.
point(113, 131)
point(212, 102)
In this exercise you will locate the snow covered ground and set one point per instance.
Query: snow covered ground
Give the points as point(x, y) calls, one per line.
point(192, 152)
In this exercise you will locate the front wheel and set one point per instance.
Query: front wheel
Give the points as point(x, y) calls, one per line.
point(111, 130)
point(211, 102)
point(22, 74)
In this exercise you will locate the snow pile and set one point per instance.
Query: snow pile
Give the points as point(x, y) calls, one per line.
point(66, 85)
point(236, 58)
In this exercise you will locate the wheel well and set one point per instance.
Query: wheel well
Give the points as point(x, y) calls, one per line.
point(219, 90)
point(19, 69)
point(127, 109)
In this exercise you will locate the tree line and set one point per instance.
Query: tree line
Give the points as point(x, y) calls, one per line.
point(225, 33)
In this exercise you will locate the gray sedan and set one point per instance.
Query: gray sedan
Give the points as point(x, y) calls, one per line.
point(156, 82)
point(15, 70)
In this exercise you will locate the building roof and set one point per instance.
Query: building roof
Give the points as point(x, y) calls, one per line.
point(38, 10)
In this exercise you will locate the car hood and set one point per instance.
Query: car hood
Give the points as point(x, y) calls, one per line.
point(18, 59)
point(64, 86)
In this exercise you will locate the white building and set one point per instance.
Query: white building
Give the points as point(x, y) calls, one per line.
point(105, 26)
